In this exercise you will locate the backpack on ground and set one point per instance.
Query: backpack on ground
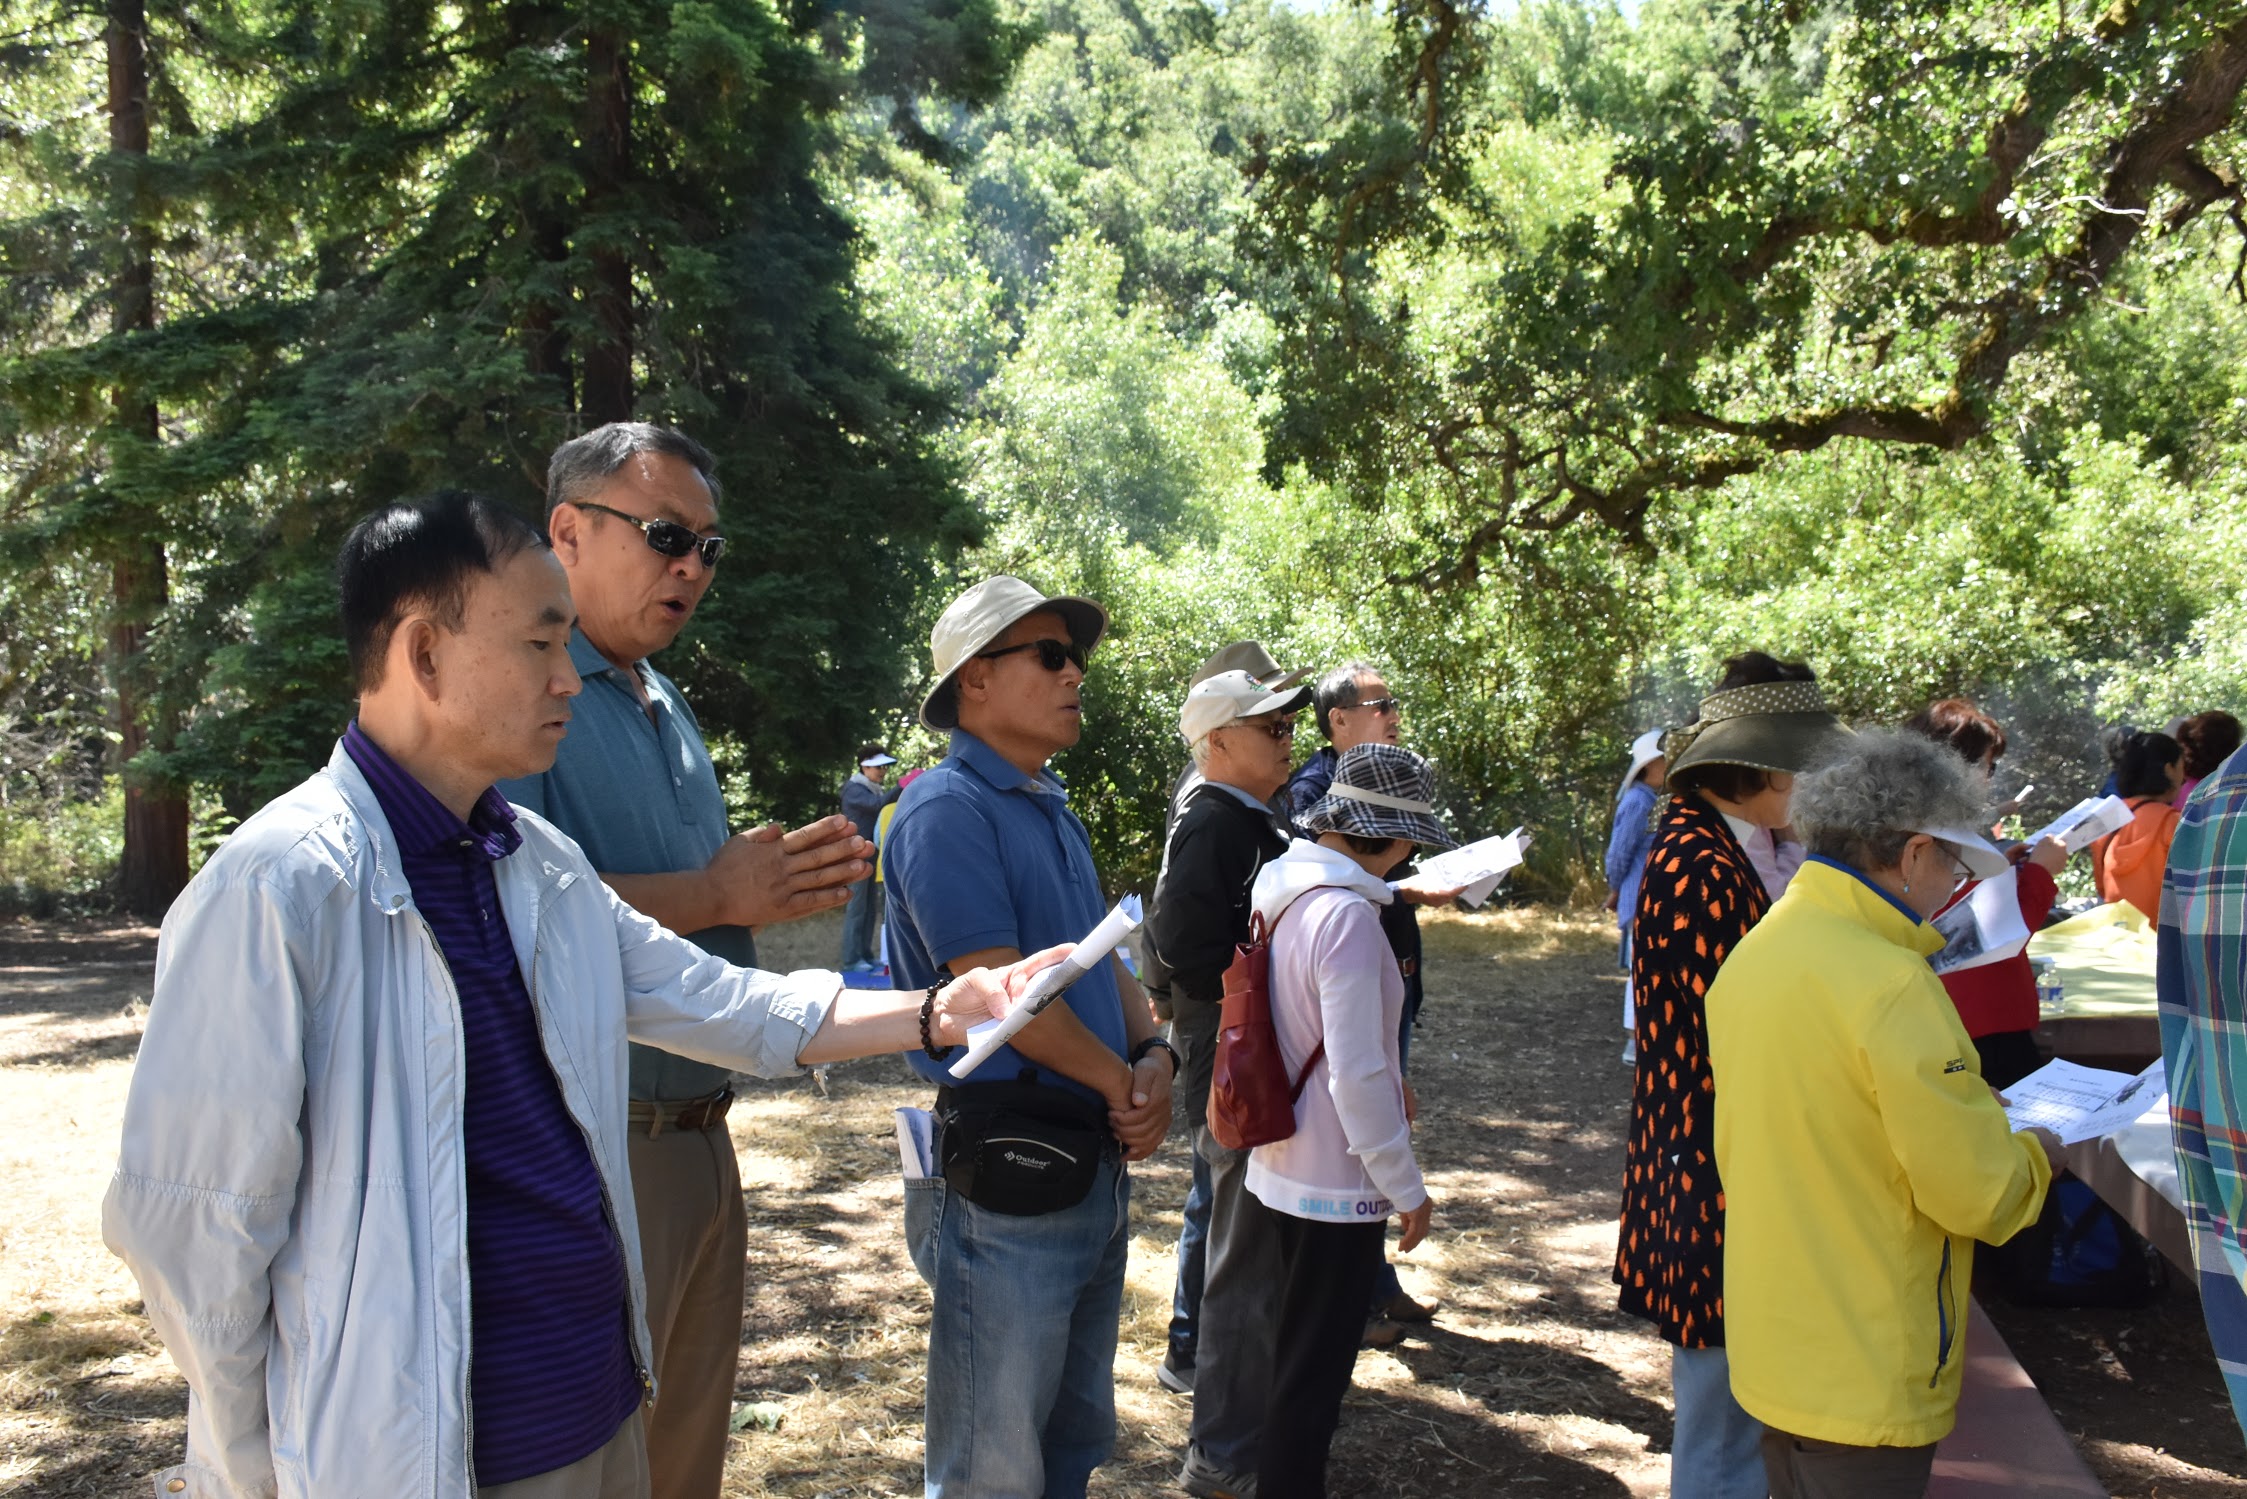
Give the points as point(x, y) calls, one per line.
point(2079, 1252)
point(1251, 1097)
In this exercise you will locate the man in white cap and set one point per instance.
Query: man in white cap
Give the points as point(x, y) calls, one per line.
point(984, 857)
point(1627, 845)
point(1241, 736)
point(1242, 655)
point(863, 797)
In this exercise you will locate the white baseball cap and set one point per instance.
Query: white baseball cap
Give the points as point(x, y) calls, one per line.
point(980, 616)
point(1231, 695)
point(1977, 853)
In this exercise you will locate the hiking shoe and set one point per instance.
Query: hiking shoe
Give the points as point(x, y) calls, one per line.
point(1174, 1379)
point(1380, 1332)
point(1205, 1480)
point(1402, 1308)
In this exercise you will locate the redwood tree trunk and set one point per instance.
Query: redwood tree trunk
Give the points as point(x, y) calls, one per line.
point(606, 365)
point(154, 868)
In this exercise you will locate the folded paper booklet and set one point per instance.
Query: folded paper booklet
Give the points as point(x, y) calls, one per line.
point(2085, 823)
point(2084, 1103)
point(1473, 870)
point(1984, 928)
point(916, 1143)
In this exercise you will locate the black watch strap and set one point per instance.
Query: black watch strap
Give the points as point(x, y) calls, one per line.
point(1139, 1054)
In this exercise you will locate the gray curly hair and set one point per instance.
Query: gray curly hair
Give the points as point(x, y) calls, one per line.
point(1863, 800)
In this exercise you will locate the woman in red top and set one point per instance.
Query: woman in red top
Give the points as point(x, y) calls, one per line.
point(1997, 1001)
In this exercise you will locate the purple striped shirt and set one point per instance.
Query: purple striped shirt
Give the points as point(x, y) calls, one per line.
point(551, 1374)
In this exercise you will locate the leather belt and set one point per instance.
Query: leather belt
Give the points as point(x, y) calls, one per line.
point(691, 1114)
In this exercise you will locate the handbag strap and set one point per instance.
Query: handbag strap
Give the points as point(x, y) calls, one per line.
point(1310, 1063)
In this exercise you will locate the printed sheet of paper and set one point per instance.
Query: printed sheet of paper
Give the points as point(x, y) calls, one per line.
point(2085, 823)
point(1984, 928)
point(2083, 1103)
point(1474, 870)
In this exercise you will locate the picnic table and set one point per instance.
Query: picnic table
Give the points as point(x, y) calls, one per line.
point(2107, 1018)
point(2104, 961)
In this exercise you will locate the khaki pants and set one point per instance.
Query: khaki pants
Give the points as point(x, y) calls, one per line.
point(694, 1246)
point(1800, 1468)
point(618, 1470)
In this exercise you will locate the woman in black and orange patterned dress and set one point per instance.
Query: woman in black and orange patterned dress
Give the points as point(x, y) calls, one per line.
point(1731, 775)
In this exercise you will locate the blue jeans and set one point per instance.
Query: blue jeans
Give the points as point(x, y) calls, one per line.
point(1021, 1340)
point(1193, 1261)
point(860, 917)
point(1717, 1451)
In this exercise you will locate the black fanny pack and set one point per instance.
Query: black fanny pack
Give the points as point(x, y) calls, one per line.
point(1020, 1148)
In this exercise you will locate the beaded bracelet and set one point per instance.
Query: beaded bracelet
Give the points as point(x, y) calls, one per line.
point(928, 1012)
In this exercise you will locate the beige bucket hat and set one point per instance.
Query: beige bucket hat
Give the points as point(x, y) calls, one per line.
point(980, 616)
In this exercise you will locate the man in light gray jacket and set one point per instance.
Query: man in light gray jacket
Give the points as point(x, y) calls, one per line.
point(373, 1171)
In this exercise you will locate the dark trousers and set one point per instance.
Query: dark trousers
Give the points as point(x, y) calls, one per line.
point(1326, 1274)
point(1240, 1300)
point(1800, 1468)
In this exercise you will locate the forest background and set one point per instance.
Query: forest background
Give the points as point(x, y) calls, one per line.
point(1544, 354)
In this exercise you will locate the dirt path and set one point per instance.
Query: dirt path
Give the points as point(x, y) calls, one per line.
point(1529, 1383)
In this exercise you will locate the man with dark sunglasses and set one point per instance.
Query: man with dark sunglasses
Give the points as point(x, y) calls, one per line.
point(984, 857)
point(632, 513)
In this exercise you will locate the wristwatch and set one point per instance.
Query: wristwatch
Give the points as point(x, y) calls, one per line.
point(1139, 1054)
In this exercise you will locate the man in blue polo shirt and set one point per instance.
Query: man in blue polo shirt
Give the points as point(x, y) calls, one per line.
point(632, 514)
point(985, 859)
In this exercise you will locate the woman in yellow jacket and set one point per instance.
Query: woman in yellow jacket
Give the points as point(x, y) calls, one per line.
point(1861, 1152)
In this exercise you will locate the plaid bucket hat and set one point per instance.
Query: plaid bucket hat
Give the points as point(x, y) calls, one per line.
point(1381, 791)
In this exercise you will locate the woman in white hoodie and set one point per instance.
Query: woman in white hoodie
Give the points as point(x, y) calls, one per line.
point(1337, 998)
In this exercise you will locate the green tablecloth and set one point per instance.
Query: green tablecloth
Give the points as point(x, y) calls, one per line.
point(2104, 959)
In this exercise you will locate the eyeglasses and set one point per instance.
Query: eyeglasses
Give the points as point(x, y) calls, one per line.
point(668, 537)
point(1052, 654)
point(1961, 873)
point(1383, 705)
point(1282, 729)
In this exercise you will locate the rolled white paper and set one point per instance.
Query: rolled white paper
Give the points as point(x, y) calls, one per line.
point(1049, 984)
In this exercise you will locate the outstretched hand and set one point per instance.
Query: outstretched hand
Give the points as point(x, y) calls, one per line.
point(768, 875)
point(982, 994)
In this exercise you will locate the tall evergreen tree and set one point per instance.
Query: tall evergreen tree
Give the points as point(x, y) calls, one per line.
point(432, 244)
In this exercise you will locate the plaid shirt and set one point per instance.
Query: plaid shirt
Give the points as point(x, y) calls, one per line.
point(2203, 990)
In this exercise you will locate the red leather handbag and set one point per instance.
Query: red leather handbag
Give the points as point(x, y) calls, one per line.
point(1251, 1097)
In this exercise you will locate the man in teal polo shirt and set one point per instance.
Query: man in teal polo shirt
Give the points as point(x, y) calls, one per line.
point(632, 513)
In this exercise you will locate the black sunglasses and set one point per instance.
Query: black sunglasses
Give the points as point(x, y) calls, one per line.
point(1052, 654)
point(668, 537)
point(1383, 705)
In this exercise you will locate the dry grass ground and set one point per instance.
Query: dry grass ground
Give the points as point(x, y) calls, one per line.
point(1528, 1384)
